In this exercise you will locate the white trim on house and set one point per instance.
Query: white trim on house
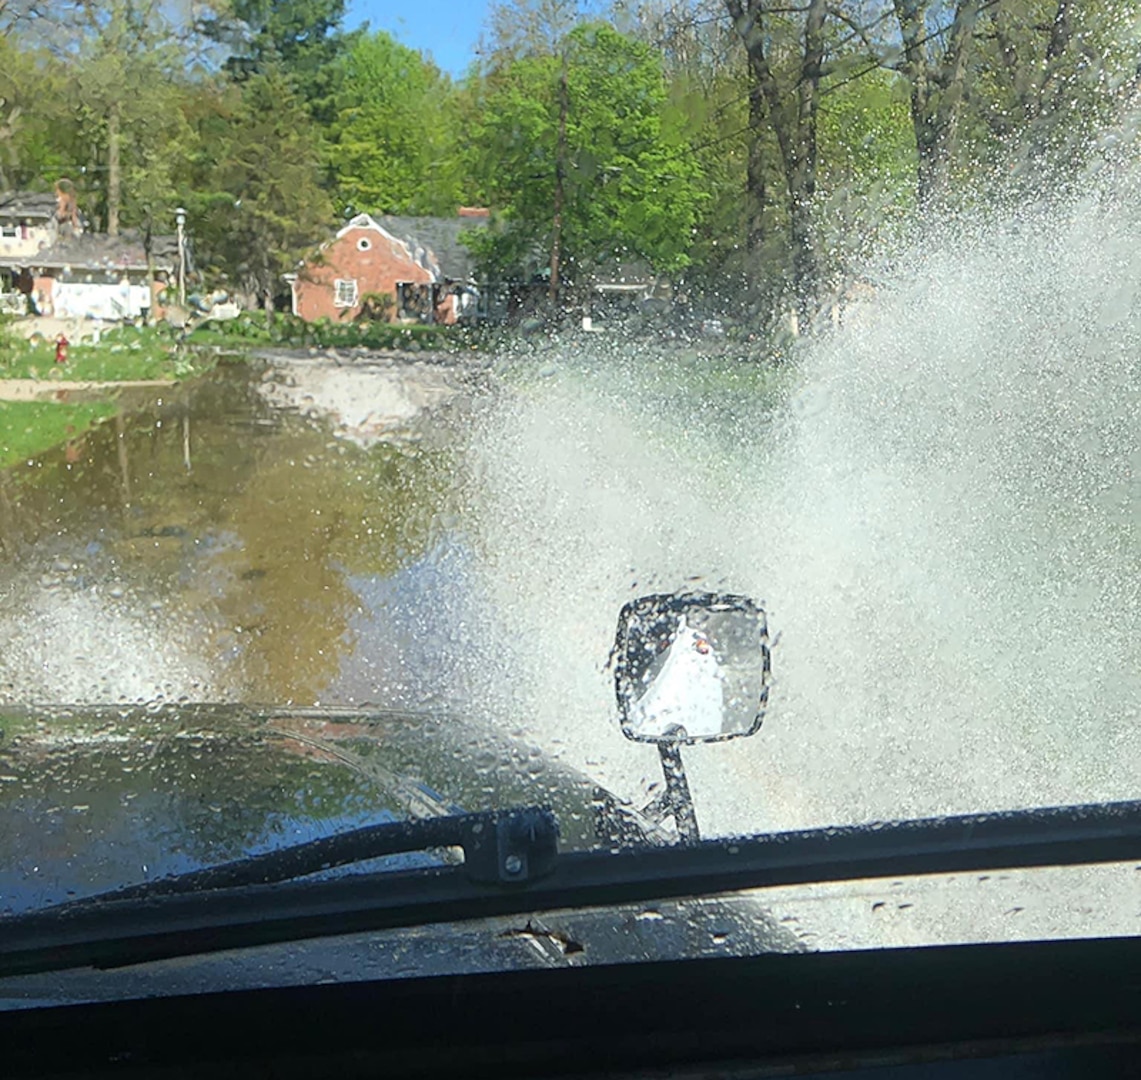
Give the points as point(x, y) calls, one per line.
point(292, 279)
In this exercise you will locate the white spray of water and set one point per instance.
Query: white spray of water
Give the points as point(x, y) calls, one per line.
point(59, 644)
point(943, 520)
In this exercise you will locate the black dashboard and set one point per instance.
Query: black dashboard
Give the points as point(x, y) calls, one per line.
point(1052, 1009)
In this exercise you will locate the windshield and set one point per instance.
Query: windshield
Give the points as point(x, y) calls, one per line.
point(355, 373)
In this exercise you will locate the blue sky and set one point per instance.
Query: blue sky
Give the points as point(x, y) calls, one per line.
point(448, 29)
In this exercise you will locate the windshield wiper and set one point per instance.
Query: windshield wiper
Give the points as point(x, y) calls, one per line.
point(499, 847)
point(511, 867)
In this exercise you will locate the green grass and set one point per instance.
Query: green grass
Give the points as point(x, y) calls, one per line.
point(28, 428)
point(123, 354)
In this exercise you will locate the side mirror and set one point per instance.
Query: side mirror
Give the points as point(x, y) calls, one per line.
point(691, 668)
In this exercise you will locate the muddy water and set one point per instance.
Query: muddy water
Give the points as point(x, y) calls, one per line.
point(236, 539)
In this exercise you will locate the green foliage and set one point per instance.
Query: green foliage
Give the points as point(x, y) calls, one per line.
point(265, 205)
point(303, 38)
point(631, 184)
point(97, 98)
point(121, 354)
point(1041, 93)
point(375, 305)
point(393, 132)
point(866, 179)
point(288, 330)
point(38, 128)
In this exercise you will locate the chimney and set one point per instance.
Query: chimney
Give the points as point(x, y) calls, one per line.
point(67, 205)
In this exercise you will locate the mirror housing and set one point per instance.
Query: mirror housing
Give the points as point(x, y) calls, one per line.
point(691, 667)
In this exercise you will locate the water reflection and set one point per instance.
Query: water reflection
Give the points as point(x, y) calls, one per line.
point(210, 543)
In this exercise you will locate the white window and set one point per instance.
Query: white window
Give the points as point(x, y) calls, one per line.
point(9, 232)
point(364, 243)
point(345, 293)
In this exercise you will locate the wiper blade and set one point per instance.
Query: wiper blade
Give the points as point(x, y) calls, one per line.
point(499, 847)
point(111, 931)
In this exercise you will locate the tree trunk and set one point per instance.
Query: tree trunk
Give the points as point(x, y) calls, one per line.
point(936, 92)
point(791, 113)
point(560, 180)
point(1045, 100)
point(802, 191)
point(114, 173)
point(756, 189)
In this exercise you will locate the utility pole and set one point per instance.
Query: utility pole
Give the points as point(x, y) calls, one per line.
point(180, 218)
point(114, 171)
point(560, 178)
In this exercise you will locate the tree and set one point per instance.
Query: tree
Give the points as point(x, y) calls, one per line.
point(264, 205)
point(935, 64)
point(530, 28)
point(392, 142)
point(577, 149)
point(39, 134)
point(867, 169)
point(303, 38)
point(1047, 80)
point(786, 65)
point(704, 66)
point(124, 61)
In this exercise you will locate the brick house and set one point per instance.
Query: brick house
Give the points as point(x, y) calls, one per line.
point(418, 265)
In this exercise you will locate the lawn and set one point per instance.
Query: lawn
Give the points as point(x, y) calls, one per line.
point(28, 428)
point(122, 354)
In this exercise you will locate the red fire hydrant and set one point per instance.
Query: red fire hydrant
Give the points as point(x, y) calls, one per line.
point(61, 344)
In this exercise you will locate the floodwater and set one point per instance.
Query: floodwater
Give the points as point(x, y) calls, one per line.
point(937, 501)
point(231, 540)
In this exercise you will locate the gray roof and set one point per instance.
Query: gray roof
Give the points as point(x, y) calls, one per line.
point(97, 251)
point(28, 205)
point(441, 238)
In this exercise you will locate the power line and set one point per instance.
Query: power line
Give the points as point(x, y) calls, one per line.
point(833, 87)
point(722, 108)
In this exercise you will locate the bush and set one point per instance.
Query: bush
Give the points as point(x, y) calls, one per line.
point(288, 330)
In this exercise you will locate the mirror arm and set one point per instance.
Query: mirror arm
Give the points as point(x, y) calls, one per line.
point(658, 808)
point(676, 798)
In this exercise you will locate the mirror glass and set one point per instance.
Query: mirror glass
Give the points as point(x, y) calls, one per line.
point(691, 667)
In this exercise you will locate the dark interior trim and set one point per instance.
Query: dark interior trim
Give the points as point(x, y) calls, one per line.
point(738, 1016)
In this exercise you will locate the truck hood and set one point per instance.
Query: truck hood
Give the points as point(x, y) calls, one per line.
point(95, 798)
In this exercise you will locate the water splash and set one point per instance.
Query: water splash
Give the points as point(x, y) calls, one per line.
point(942, 516)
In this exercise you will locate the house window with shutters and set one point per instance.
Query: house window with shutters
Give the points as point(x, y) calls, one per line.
point(345, 292)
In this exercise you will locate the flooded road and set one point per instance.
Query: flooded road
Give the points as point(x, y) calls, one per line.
point(228, 540)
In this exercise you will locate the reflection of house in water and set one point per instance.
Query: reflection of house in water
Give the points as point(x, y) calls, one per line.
point(50, 265)
point(394, 268)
